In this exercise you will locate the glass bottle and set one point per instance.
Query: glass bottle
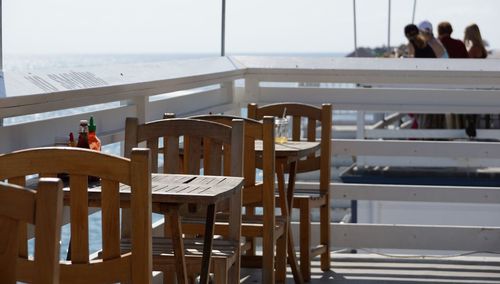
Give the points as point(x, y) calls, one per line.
point(83, 139)
point(71, 141)
point(94, 142)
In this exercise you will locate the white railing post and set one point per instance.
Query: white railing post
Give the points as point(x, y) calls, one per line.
point(360, 134)
point(227, 89)
point(252, 89)
point(141, 105)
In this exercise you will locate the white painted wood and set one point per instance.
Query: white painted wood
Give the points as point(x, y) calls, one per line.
point(110, 122)
point(452, 149)
point(430, 133)
point(429, 162)
point(415, 193)
point(416, 237)
point(252, 89)
point(402, 99)
point(360, 134)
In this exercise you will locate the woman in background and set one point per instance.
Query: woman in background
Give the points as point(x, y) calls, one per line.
point(475, 47)
point(474, 42)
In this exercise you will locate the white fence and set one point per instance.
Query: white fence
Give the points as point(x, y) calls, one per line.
point(208, 85)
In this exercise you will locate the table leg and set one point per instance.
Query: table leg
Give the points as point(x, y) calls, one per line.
point(286, 202)
point(174, 220)
point(207, 244)
point(292, 256)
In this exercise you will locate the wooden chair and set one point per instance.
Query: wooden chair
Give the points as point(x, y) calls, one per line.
point(43, 208)
point(268, 226)
point(111, 266)
point(219, 149)
point(308, 117)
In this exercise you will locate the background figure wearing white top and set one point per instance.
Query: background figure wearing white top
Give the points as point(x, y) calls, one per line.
point(425, 28)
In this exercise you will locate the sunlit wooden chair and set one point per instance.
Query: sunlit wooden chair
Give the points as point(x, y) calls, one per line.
point(110, 266)
point(304, 122)
point(20, 206)
point(259, 194)
point(205, 147)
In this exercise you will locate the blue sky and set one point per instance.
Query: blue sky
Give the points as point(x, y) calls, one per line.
point(256, 26)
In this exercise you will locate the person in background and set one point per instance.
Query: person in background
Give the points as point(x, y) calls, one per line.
point(417, 46)
point(475, 47)
point(474, 42)
point(454, 47)
point(425, 28)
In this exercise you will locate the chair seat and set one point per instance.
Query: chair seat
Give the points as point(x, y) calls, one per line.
point(315, 198)
point(192, 247)
point(251, 225)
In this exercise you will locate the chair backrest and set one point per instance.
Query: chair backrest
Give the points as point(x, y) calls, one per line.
point(189, 145)
point(255, 193)
point(308, 118)
point(80, 164)
point(43, 208)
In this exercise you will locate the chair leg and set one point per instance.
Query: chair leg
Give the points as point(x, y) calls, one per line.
point(169, 277)
point(281, 247)
point(325, 234)
point(221, 271)
point(305, 238)
point(250, 211)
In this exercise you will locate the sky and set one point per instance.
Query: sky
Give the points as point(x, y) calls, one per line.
point(252, 26)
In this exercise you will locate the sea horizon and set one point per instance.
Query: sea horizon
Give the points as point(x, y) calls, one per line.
point(26, 62)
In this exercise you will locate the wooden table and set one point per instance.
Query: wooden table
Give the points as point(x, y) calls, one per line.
point(169, 191)
point(287, 155)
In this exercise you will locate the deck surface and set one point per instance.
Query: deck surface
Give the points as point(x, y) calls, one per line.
point(375, 269)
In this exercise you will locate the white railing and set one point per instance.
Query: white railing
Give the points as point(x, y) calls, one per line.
point(363, 85)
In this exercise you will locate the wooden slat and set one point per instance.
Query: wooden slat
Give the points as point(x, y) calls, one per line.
point(54, 159)
point(416, 237)
point(212, 157)
point(171, 160)
point(9, 240)
point(15, 198)
point(195, 151)
point(141, 206)
point(110, 203)
point(152, 144)
point(79, 219)
point(49, 199)
point(23, 226)
point(296, 128)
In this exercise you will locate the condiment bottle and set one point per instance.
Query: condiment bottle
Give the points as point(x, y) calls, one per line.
point(94, 142)
point(71, 141)
point(83, 140)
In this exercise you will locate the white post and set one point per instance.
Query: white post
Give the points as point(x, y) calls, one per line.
point(414, 9)
point(223, 29)
point(389, 28)
point(1, 40)
point(355, 30)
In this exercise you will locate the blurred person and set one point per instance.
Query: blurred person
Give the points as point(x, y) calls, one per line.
point(425, 28)
point(474, 42)
point(417, 48)
point(475, 47)
point(454, 47)
point(417, 45)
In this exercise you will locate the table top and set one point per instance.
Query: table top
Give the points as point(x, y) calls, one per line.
point(177, 188)
point(291, 149)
